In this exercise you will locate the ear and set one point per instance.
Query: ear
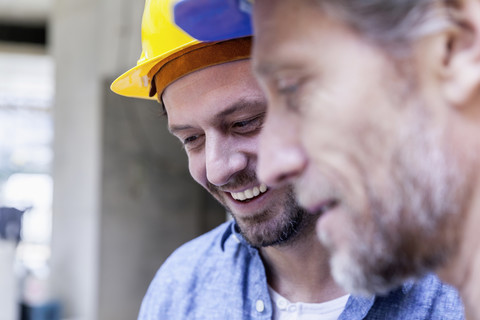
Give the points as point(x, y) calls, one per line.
point(462, 58)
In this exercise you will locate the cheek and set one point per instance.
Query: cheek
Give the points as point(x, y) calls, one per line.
point(324, 131)
point(196, 166)
point(359, 124)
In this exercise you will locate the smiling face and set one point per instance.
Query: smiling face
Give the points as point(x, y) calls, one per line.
point(365, 144)
point(217, 113)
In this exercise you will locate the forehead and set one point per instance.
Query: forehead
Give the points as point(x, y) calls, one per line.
point(277, 20)
point(208, 91)
point(288, 30)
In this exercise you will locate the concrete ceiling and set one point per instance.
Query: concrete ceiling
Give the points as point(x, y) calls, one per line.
point(25, 11)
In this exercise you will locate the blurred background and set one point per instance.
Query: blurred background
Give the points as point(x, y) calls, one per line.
point(94, 192)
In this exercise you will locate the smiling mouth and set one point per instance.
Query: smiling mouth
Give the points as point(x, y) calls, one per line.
point(249, 193)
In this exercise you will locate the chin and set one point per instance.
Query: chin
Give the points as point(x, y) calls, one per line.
point(262, 233)
point(273, 228)
point(369, 258)
point(357, 278)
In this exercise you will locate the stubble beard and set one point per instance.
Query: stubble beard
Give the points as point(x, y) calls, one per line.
point(280, 225)
point(411, 225)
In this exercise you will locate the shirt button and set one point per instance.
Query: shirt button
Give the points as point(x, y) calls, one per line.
point(292, 308)
point(282, 303)
point(260, 306)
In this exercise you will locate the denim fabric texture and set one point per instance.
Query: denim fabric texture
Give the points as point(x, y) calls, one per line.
point(219, 276)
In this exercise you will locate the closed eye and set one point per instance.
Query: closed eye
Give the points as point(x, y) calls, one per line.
point(288, 88)
point(290, 91)
point(193, 142)
point(248, 126)
point(190, 139)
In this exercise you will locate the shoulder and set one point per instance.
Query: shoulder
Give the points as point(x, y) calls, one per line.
point(199, 277)
point(427, 298)
point(442, 300)
point(191, 257)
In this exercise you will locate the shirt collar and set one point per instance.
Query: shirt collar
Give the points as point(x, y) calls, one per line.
point(233, 231)
point(357, 307)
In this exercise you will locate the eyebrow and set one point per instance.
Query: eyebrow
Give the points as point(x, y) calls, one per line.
point(231, 109)
point(268, 67)
point(176, 128)
point(238, 106)
point(263, 68)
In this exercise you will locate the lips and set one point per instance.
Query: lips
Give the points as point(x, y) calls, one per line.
point(323, 206)
point(249, 194)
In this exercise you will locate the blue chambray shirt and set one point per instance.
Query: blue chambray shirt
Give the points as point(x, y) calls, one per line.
point(219, 276)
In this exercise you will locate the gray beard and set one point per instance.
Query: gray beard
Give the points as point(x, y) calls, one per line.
point(412, 230)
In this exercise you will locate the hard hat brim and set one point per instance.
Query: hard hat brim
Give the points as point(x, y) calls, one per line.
point(136, 82)
point(168, 67)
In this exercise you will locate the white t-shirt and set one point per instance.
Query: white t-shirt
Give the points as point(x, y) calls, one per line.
point(285, 310)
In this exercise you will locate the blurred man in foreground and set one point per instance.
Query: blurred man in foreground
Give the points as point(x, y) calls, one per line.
point(374, 116)
point(382, 105)
point(266, 263)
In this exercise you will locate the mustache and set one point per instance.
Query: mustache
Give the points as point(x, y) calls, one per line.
point(240, 179)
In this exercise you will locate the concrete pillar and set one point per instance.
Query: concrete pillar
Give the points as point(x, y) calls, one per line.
point(74, 41)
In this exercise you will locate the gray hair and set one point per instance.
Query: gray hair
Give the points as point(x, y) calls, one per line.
point(394, 24)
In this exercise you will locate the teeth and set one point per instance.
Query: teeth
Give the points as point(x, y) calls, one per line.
point(249, 193)
point(263, 187)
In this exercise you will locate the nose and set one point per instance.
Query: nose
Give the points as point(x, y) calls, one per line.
point(223, 159)
point(281, 157)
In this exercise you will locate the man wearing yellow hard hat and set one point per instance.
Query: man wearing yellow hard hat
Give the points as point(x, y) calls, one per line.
point(266, 263)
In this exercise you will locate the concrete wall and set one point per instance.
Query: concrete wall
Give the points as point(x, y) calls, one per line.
point(123, 199)
point(150, 204)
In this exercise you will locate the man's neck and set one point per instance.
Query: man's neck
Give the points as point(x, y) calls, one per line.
point(463, 270)
point(300, 271)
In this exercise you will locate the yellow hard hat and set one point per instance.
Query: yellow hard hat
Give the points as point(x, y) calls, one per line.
point(168, 53)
